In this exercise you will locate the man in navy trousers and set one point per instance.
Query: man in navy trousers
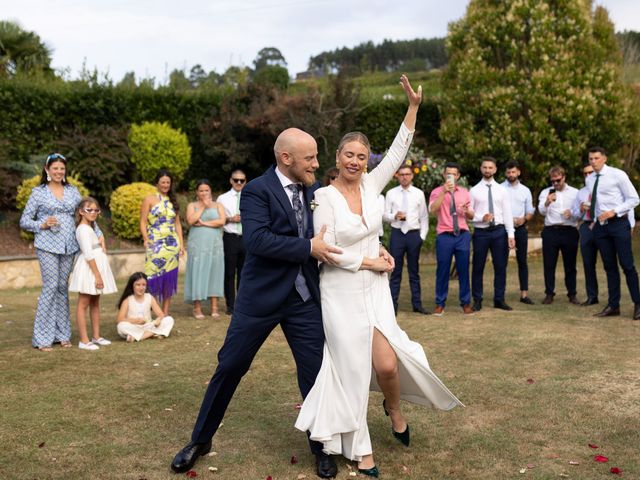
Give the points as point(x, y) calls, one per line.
point(279, 286)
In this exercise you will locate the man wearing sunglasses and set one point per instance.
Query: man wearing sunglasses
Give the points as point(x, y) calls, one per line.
point(234, 252)
point(559, 235)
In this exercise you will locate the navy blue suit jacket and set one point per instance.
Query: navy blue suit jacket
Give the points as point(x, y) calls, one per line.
point(275, 253)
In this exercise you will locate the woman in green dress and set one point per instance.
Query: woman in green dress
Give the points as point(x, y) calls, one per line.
point(162, 233)
point(205, 255)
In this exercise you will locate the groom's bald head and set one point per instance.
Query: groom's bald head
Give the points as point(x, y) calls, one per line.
point(296, 155)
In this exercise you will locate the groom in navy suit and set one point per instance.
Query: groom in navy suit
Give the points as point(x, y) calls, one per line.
point(279, 285)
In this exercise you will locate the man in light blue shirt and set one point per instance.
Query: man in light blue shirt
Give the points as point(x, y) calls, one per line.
point(522, 211)
point(613, 198)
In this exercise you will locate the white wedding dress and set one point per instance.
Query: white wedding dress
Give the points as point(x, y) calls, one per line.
point(354, 302)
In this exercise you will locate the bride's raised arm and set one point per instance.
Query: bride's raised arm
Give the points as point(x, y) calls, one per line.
point(383, 173)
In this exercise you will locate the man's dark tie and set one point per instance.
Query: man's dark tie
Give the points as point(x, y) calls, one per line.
point(592, 208)
point(301, 283)
point(492, 223)
point(454, 215)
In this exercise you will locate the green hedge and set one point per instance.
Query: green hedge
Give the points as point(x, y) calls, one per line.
point(42, 117)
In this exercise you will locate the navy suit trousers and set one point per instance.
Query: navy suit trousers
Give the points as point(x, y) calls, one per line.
point(495, 241)
point(614, 242)
point(589, 253)
point(301, 323)
point(399, 245)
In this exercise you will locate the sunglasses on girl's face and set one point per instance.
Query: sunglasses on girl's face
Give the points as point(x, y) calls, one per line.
point(91, 210)
point(239, 180)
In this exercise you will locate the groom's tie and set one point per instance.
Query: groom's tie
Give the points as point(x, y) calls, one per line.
point(301, 283)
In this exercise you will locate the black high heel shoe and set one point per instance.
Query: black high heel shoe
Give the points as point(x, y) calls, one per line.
point(370, 472)
point(402, 437)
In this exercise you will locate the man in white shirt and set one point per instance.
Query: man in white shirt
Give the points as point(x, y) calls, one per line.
point(522, 211)
point(560, 234)
point(493, 232)
point(234, 252)
point(406, 211)
point(613, 198)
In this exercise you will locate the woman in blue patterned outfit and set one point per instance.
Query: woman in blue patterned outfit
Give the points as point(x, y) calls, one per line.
point(49, 214)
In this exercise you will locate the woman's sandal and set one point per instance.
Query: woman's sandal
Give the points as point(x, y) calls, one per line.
point(198, 315)
point(66, 344)
point(46, 349)
point(215, 314)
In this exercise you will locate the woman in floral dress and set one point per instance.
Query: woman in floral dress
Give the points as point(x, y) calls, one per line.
point(162, 233)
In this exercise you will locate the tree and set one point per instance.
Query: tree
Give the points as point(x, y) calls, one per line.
point(22, 52)
point(178, 80)
point(534, 81)
point(128, 81)
point(197, 76)
point(275, 76)
point(269, 57)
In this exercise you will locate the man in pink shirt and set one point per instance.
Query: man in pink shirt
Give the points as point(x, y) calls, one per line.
point(450, 203)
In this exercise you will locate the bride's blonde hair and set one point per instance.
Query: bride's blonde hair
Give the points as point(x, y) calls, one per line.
point(354, 137)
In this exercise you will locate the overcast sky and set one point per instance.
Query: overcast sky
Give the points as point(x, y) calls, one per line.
point(152, 37)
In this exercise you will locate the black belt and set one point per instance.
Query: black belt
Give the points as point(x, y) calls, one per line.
point(490, 229)
point(408, 231)
point(559, 227)
point(229, 233)
point(616, 218)
point(462, 230)
point(520, 226)
point(588, 222)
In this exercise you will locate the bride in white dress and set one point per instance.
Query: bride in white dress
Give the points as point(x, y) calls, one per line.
point(364, 348)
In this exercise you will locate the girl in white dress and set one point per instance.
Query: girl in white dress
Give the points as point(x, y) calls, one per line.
point(134, 312)
point(364, 347)
point(91, 276)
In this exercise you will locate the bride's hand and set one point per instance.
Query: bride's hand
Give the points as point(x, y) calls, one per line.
point(414, 97)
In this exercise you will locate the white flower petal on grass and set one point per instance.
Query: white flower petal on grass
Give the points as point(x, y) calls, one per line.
point(213, 469)
point(212, 454)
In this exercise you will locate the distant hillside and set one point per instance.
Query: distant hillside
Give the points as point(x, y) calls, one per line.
point(420, 54)
point(408, 55)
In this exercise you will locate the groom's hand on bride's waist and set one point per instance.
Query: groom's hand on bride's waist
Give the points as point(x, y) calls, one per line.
point(322, 251)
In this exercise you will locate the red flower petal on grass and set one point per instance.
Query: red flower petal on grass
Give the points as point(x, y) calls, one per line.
point(593, 445)
point(615, 471)
point(294, 460)
point(298, 406)
point(601, 459)
point(191, 474)
point(40, 445)
point(530, 381)
point(269, 478)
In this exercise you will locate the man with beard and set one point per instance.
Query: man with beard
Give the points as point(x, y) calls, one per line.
point(522, 211)
point(493, 232)
point(613, 198)
point(559, 235)
point(280, 286)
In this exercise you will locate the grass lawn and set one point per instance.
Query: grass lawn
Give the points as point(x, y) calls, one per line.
point(540, 383)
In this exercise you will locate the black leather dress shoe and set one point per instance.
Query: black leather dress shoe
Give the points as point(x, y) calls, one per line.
point(526, 300)
point(589, 301)
point(502, 306)
point(422, 310)
point(548, 299)
point(477, 305)
point(636, 312)
point(186, 457)
point(608, 312)
point(325, 466)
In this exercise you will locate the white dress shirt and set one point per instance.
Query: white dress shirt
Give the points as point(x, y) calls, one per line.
point(501, 205)
point(584, 195)
point(615, 191)
point(553, 214)
point(521, 199)
point(231, 203)
point(416, 210)
point(286, 181)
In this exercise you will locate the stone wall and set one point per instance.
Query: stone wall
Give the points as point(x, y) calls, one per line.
point(21, 272)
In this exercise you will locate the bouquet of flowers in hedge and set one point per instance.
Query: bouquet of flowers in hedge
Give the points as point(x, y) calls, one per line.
point(428, 172)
